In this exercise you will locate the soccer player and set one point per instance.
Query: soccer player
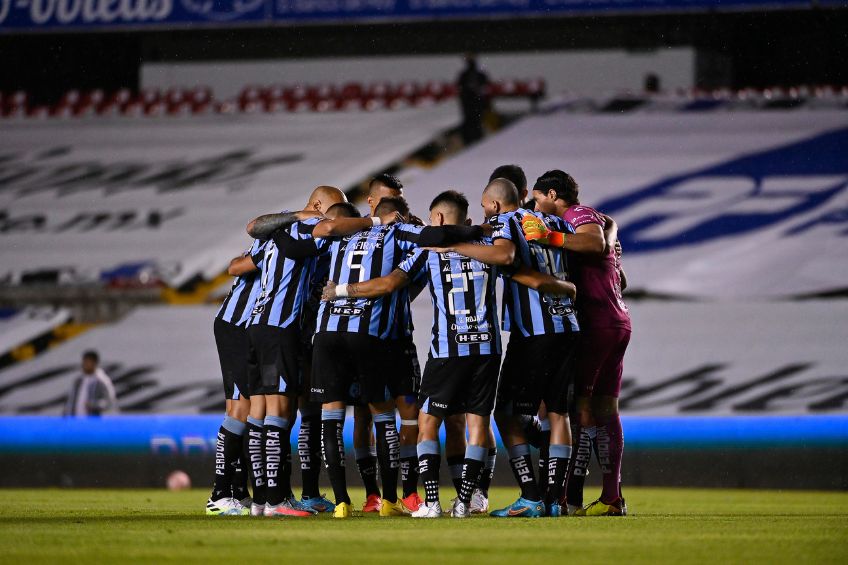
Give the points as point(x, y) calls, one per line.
point(405, 377)
point(606, 328)
point(309, 434)
point(229, 494)
point(462, 370)
point(275, 339)
point(543, 334)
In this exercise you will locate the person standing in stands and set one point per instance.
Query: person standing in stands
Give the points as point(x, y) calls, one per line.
point(472, 84)
point(93, 393)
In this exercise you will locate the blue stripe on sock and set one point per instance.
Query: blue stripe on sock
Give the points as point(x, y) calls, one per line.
point(385, 417)
point(255, 421)
point(233, 426)
point(476, 452)
point(519, 450)
point(278, 421)
point(545, 425)
point(428, 447)
point(559, 450)
point(333, 414)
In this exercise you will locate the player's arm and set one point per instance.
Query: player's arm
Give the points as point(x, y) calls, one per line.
point(500, 253)
point(339, 227)
point(293, 248)
point(265, 225)
point(368, 289)
point(610, 233)
point(621, 275)
point(241, 265)
point(440, 236)
point(587, 238)
point(544, 282)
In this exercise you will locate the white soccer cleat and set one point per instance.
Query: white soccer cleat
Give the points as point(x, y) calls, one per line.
point(460, 509)
point(224, 507)
point(479, 502)
point(246, 502)
point(570, 509)
point(428, 510)
point(257, 509)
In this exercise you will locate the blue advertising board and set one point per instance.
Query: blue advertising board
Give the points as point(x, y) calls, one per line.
point(195, 435)
point(110, 15)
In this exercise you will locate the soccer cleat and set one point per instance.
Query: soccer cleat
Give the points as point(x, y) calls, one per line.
point(246, 502)
point(479, 502)
point(412, 502)
point(521, 508)
point(257, 509)
point(225, 507)
point(372, 503)
point(598, 508)
point(342, 510)
point(392, 508)
point(285, 509)
point(623, 507)
point(571, 509)
point(554, 510)
point(293, 502)
point(460, 509)
point(428, 510)
point(318, 503)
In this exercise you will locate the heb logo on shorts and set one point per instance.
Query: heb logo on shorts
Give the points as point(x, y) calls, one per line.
point(560, 310)
point(347, 310)
point(473, 337)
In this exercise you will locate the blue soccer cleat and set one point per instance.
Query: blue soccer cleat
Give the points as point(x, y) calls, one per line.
point(521, 508)
point(554, 510)
point(318, 504)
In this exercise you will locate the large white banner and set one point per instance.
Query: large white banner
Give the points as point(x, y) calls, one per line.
point(721, 204)
point(98, 195)
point(684, 359)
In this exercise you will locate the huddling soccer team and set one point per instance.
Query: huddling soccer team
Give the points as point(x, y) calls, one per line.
point(319, 319)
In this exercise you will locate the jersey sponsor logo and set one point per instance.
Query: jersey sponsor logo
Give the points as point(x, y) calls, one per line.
point(473, 337)
point(316, 390)
point(352, 311)
point(441, 405)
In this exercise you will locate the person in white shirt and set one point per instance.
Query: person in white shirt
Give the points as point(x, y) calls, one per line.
point(92, 393)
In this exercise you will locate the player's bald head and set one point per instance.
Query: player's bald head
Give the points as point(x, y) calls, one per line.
point(502, 190)
point(325, 196)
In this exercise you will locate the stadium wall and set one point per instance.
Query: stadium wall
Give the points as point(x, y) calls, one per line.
point(575, 71)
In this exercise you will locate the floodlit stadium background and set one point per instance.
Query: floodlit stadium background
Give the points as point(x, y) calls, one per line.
point(135, 146)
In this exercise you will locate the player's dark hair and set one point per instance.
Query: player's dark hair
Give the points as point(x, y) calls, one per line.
point(385, 178)
point(512, 173)
point(91, 354)
point(560, 182)
point(392, 204)
point(454, 199)
point(344, 210)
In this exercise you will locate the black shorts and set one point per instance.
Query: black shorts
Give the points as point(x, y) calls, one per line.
point(234, 355)
point(535, 369)
point(404, 377)
point(347, 366)
point(276, 352)
point(459, 385)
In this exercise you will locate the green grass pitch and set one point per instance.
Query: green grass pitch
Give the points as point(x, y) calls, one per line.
point(665, 525)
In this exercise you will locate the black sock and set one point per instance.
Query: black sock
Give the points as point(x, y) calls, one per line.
point(240, 491)
point(366, 464)
point(557, 468)
point(429, 460)
point(256, 458)
point(274, 489)
point(222, 488)
point(332, 444)
point(472, 466)
point(579, 466)
point(522, 468)
point(308, 438)
point(544, 443)
point(488, 471)
point(455, 463)
point(409, 469)
point(388, 453)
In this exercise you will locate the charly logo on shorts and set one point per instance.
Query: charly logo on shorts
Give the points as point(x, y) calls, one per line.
point(473, 337)
point(317, 390)
point(222, 10)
